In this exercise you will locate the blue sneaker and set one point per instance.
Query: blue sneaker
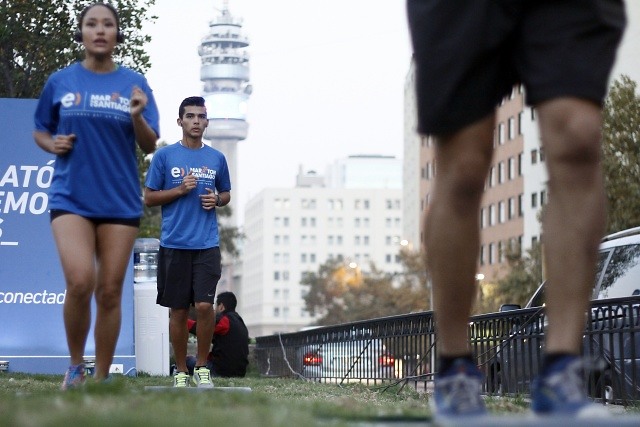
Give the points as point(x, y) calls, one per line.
point(74, 378)
point(457, 392)
point(560, 391)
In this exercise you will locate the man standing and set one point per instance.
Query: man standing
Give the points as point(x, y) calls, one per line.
point(469, 55)
point(189, 180)
point(229, 355)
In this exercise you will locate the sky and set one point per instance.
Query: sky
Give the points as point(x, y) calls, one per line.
point(328, 80)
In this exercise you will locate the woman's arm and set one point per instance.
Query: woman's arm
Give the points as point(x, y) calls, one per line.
point(145, 136)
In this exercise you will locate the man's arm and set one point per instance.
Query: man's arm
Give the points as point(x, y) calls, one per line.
point(223, 326)
point(162, 197)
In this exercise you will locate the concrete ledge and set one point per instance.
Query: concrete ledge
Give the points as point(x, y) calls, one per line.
point(162, 388)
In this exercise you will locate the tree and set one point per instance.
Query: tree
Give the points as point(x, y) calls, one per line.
point(36, 39)
point(621, 154)
point(339, 293)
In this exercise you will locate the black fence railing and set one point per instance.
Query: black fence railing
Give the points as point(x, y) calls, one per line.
point(508, 347)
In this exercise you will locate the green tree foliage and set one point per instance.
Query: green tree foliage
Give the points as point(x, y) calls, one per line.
point(36, 39)
point(621, 149)
point(338, 293)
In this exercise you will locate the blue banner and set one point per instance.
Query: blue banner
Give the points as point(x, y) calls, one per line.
point(32, 286)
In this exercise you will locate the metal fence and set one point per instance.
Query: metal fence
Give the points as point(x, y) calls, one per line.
point(508, 347)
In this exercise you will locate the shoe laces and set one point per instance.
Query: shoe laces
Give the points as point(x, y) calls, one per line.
point(181, 379)
point(203, 375)
point(461, 392)
point(567, 383)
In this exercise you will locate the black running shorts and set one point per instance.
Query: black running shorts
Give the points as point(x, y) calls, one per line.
point(470, 53)
point(186, 276)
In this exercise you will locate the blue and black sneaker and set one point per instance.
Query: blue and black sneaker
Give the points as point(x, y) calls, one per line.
point(74, 378)
point(559, 391)
point(457, 392)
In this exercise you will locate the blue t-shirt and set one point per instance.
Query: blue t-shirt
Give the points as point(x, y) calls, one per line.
point(185, 223)
point(99, 176)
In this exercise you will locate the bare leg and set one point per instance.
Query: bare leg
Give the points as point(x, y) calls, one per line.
point(114, 246)
point(204, 331)
point(75, 240)
point(179, 336)
point(452, 230)
point(574, 219)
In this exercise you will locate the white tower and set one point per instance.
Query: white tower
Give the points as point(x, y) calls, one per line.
point(225, 74)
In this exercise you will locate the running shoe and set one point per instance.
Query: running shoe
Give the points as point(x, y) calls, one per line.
point(202, 377)
point(181, 379)
point(559, 390)
point(74, 377)
point(457, 392)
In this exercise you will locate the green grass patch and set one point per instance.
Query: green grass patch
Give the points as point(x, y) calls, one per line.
point(35, 400)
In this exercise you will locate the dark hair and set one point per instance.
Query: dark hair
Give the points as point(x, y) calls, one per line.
point(192, 101)
point(228, 299)
point(77, 36)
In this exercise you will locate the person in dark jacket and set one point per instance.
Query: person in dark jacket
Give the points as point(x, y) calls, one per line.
point(229, 354)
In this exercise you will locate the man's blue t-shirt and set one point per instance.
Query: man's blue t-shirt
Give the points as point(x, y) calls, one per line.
point(99, 176)
point(185, 223)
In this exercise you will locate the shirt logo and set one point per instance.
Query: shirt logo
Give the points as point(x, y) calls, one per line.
point(70, 99)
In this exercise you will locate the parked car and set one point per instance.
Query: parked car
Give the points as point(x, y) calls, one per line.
point(357, 356)
point(615, 340)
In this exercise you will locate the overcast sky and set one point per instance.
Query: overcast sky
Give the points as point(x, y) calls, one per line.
point(327, 75)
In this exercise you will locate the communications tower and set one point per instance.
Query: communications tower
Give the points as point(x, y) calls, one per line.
point(224, 71)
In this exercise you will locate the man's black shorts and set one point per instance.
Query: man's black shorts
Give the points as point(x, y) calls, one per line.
point(469, 54)
point(186, 276)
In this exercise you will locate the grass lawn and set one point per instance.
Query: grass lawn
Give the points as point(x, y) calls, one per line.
point(35, 400)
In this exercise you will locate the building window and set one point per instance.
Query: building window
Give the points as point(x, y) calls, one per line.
point(492, 215)
point(520, 164)
point(512, 128)
point(541, 154)
point(534, 200)
point(543, 198)
point(285, 221)
point(500, 172)
point(520, 115)
point(534, 157)
point(276, 311)
point(501, 133)
point(520, 205)
point(490, 253)
point(512, 168)
point(366, 204)
point(276, 275)
point(501, 212)
point(482, 249)
point(512, 208)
